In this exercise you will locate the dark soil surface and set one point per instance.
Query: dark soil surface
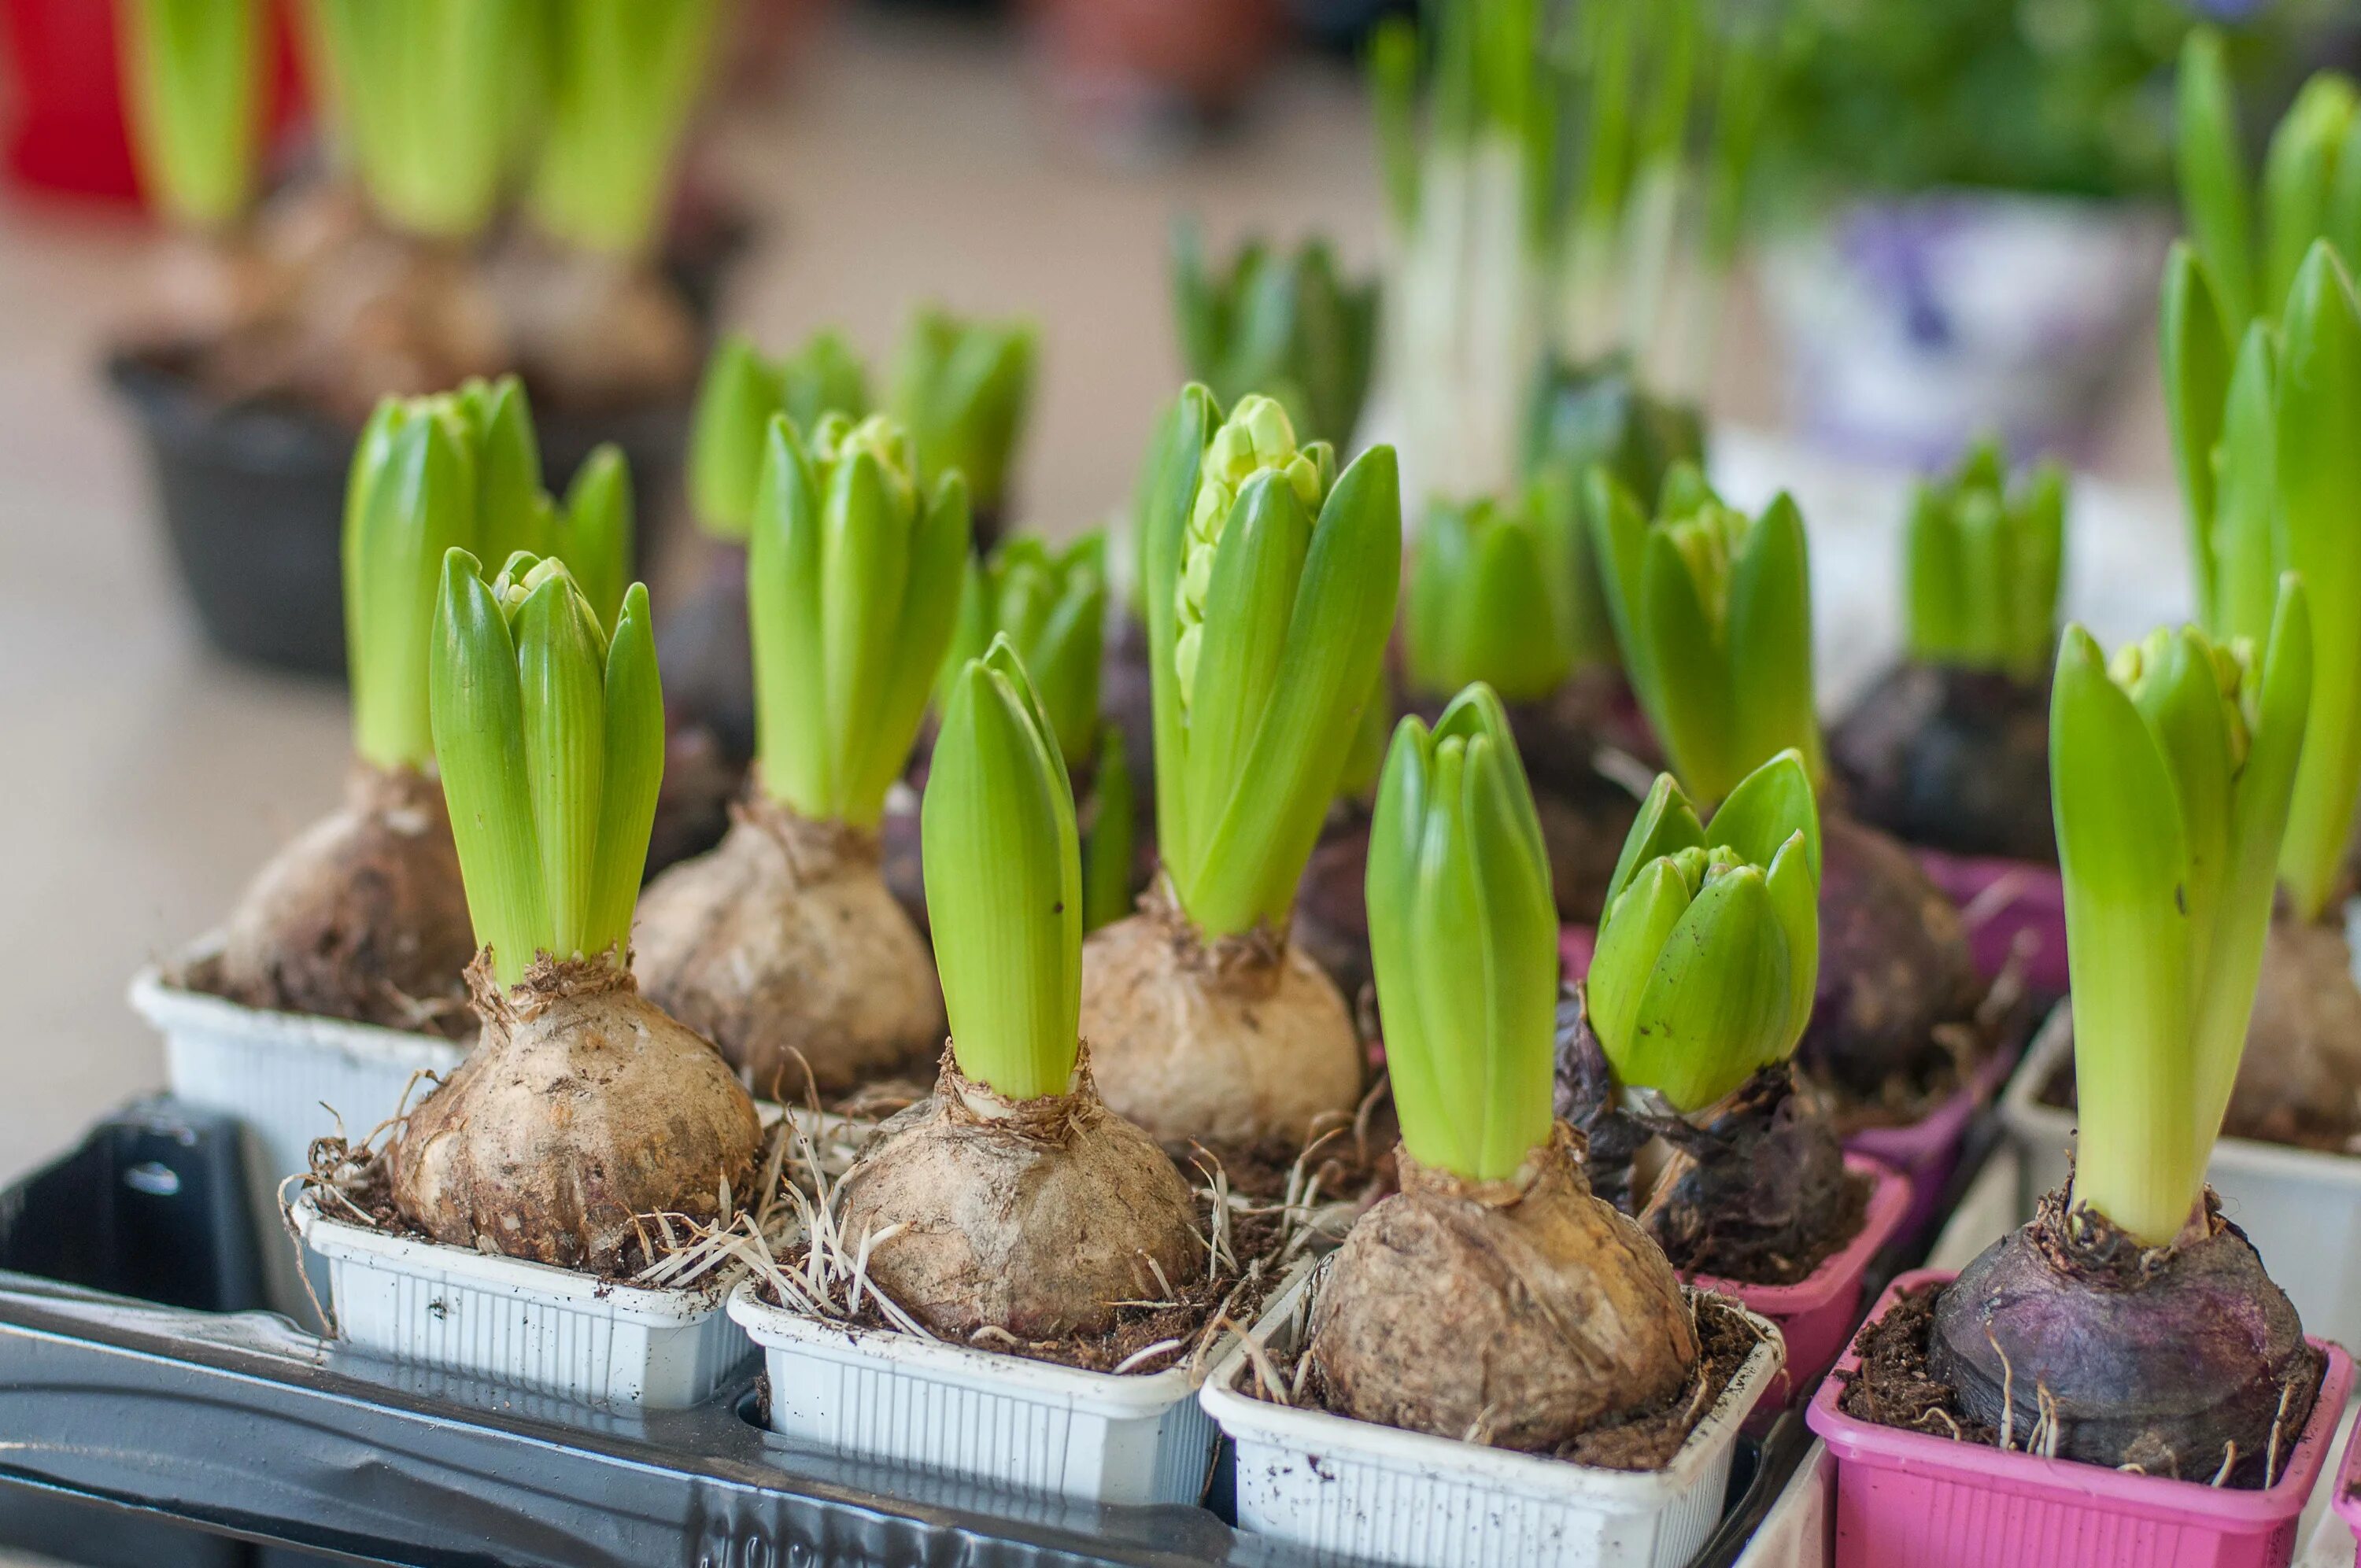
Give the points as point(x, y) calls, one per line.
point(1757, 1264)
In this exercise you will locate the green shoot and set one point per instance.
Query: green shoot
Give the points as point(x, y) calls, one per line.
point(1269, 593)
point(739, 394)
point(1708, 955)
point(962, 390)
point(2171, 772)
point(1052, 608)
point(1488, 602)
point(1114, 833)
point(1713, 612)
point(1005, 882)
point(1982, 564)
point(191, 71)
point(425, 100)
point(411, 499)
point(624, 75)
point(550, 737)
point(853, 575)
point(2273, 430)
point(2214, 197)
point(1285, 325)
point(1367, 756)
point(1463, 938)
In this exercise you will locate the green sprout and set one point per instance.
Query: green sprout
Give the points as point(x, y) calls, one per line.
point(1113, 836)
point(1463, 939)
point(1005, 882)
point(1366, 756)
point(962, 390)
point(852, 583)
point(550, 736)
point(1982, 564)
point(2310, 186)
point(623, 76)
point(456, 470)
point(1710, 951)
point(1286, 326)
point(430, 100)
point(1713, 612)
point(1051, 605)
point(191, 71)
point(2171, 771)
point(1269, 593)
point(730, 429)
point(1490, 600)
point(2269, 428)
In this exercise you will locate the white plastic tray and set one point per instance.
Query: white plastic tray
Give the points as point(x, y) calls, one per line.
point(2301, 1209)
point(526, 1324)
point(1353, 1489)
point(1136, 1438)
point(280, 1073)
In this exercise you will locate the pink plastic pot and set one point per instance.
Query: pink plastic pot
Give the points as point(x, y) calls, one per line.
point(2347, 1505)
point(1904, 1498)
point(2006, 903)
point(1816, 1315)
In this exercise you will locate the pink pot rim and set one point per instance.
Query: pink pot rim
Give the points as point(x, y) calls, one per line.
point(1889, 1200)
point(1853, 1441)
point(2342, 1500)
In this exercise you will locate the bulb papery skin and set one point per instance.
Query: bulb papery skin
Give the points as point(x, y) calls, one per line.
point(583, 1108)
point(1527, 1309)
point(786, 947)
point(1034, 1217)
point(1233, 1042)
point(2160, 1357)
point(362, 916)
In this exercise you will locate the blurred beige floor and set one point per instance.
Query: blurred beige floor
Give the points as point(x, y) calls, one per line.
point(142, 778)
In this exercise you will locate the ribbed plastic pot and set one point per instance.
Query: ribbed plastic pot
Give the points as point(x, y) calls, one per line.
point(1817, 1314)
point(281, 1075)
point(1354, 1490)
point(1132, 1438)
point(1929, 1502)
point(2005, 903)
point(529, 1325)
point(2300, 1207)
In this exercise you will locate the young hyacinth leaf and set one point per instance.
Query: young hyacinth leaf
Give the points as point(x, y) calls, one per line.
point(480, 725)
point(190, 70)
point(2213, 170)
point(854, 578)
point(623, 77)
point(1052, 608)
point(1463, 941)
point(735, 404)
point(1982, 565)
point(2299, 177)
point(1282, 324)
point(593, 534)
point(1393, 95)
point(2195, 341)
point(1371, 734)
point(1269, 627)
point(561, 671)
point(410, 500)
point(1485, 605)
point(1712, 611)
point(962, 390)
point(2171, 772)
point(633, 773)
point(508, 517)
point(822, 377)
point(2244, 551)
point(1114, 835)
point(2317, 460)
point(424, 94)
point(1005, 882)
point(1168, 489)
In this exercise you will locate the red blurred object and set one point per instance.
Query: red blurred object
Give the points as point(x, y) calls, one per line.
point(1202, 53)
point(65, 133)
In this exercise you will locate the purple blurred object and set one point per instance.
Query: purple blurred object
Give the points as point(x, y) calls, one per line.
point(2009, 907)
point(1912, 327)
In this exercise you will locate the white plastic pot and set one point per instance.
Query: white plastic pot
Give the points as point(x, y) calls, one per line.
point(526, 1324)
point(1134, 1438)
point(282, 1074)
point(2301, 1208)
point(1799, 1531)
point(1355, 1490)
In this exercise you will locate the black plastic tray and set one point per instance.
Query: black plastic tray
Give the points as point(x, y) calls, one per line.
point(202, 1430)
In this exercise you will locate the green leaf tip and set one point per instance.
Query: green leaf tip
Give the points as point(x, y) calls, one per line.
point(190, 72)
point(1708, 952)
point(2171, 770)
point(1269, 591)
point(549, 733)
point(739, 394)
point(1286, 324)
point(1491, 598)
point(1712, 611)
point(964, 390)
point(1462, 937)
point(1981, 566)
point(853, 578)
point(1005, 881)
point(1051, 605)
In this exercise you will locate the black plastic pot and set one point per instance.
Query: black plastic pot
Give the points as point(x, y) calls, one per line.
point(253, 500)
